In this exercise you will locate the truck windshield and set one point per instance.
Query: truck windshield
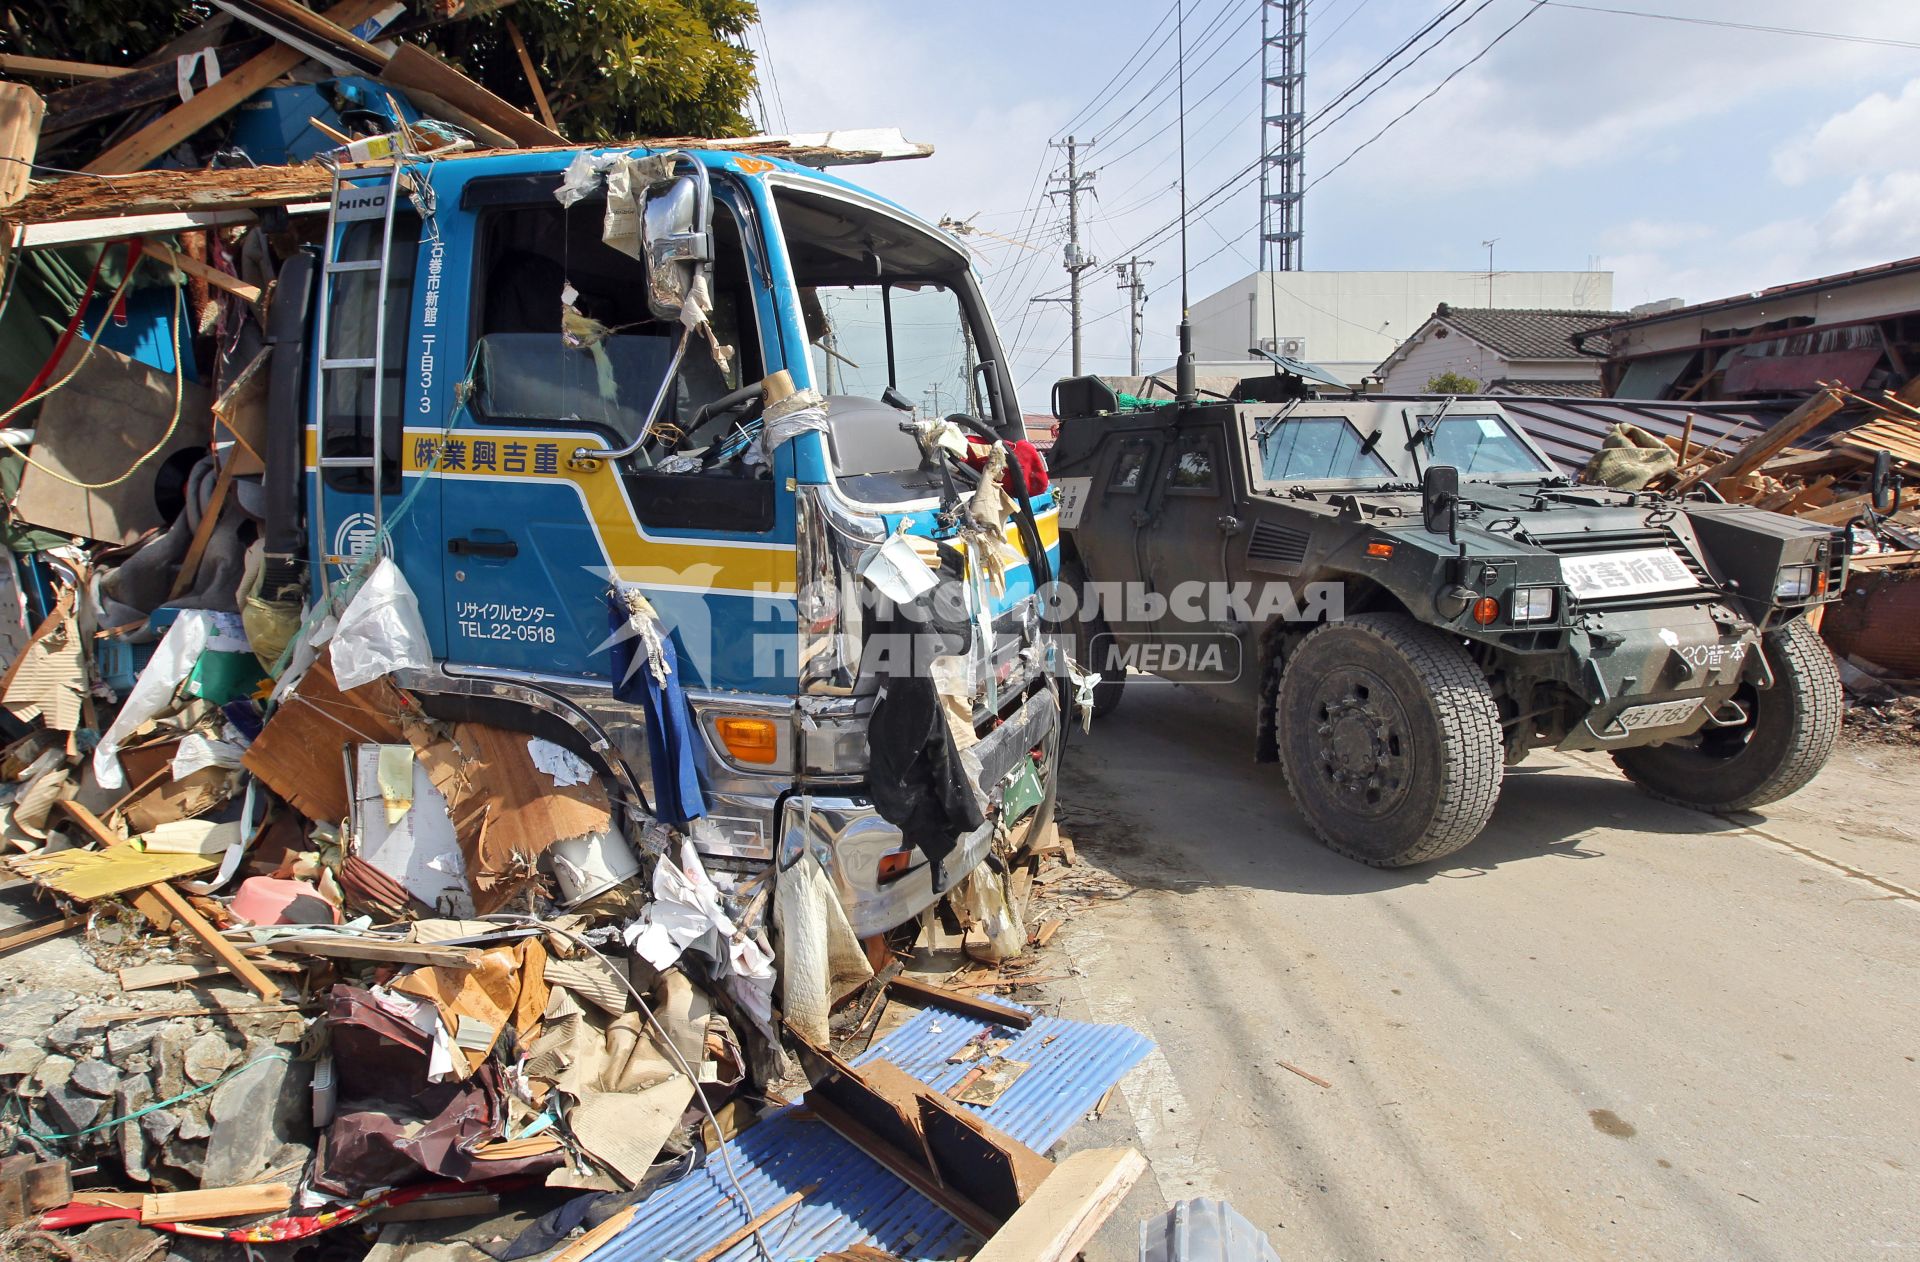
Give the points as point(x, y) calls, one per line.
point(928, 358)
point(1317, 448)
point(1481, 445)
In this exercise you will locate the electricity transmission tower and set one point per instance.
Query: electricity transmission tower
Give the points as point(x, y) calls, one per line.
point(1283, 101)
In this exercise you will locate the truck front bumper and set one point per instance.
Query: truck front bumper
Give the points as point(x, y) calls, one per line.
point(1658, 674)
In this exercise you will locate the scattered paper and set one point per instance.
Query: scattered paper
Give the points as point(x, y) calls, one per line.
point(566, 767)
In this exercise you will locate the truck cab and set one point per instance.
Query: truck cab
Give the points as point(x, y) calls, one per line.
point(545, 382)
point(1409, 595)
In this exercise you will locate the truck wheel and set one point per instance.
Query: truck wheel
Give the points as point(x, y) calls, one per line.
point(1389, 739)
point(1790, 730)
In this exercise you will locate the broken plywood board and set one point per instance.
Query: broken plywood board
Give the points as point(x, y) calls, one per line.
point(113, 418)
point(300, 754)
point(89, 874)
point(506, 812)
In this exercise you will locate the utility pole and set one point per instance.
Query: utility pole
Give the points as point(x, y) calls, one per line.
point(1133, 281)
point(1076, 259)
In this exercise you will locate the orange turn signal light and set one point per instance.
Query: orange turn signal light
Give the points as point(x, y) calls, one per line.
point(750, 740)
point(894, 865)
point(1485, 610)
point(1379, 549)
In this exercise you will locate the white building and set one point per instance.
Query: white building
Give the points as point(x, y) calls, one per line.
point(1350, 321)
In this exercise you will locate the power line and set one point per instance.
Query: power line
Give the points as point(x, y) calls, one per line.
point(1877, 40)
point(773, 80)
point(1405, 66)
point(1355, 151)
point(1119, 76)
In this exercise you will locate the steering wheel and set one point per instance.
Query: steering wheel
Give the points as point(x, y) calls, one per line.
point(736, 407)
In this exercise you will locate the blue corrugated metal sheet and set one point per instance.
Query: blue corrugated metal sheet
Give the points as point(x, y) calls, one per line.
point(857, 1201)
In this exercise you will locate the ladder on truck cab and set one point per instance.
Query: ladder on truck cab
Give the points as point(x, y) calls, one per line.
point(354, 200)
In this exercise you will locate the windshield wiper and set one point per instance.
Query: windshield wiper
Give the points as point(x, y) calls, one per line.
point(1430, 424)
point(1267, 428)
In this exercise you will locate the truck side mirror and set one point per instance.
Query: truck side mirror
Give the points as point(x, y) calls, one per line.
point(676, 230)
point(1440, 500)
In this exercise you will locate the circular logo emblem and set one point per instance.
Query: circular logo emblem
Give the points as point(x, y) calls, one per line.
point(352, 539)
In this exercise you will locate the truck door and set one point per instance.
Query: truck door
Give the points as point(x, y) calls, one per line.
point(535, 536)
point(1182, 556)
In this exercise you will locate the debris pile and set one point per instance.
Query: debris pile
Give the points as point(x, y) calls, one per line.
point(284, 948)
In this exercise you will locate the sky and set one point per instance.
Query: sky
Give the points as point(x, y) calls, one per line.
point(1692, 161)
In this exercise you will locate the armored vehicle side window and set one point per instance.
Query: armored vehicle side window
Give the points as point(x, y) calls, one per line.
point(1130, 469)
point(1482, 444)
point(1315, 448)
point(1191, 472)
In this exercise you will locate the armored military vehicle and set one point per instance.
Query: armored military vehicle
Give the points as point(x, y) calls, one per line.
point(1411, 596)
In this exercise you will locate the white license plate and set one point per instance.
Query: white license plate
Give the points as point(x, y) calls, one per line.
point(1070, 497)
point(1633, 573)
point(1659, 714)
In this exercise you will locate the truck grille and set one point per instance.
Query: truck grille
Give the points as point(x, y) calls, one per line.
point(1283, 544)
point(1625, 541)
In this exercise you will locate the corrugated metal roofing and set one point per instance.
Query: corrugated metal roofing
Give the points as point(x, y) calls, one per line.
point(858, 1201)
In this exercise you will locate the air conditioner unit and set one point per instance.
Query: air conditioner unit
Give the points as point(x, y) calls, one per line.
point(1293, 347)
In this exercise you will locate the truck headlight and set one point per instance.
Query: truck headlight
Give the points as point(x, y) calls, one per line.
point(1794, 582)
point(1532, 604)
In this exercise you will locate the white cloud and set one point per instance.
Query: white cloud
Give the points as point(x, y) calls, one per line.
point(1877, 131)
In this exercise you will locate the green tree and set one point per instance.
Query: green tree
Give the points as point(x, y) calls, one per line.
point(612, 69)
point(616, 69)
point(1451, 382)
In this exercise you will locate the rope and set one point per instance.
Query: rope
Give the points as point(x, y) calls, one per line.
point(138, 1113)
point(93, 344)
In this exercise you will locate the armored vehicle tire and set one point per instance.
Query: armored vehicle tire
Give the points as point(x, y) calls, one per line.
point(1389, 739)
point(1790, 731)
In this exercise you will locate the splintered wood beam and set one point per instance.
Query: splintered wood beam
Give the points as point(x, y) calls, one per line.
point(224, 951)
point(1058, 1221)
point(969, 1005)
point(533, 75)
point(51, 68)
point(218, 100)
point(194, 267)
point(1775, 439)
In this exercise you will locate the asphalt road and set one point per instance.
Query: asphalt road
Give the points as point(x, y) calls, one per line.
point(1607, 1028)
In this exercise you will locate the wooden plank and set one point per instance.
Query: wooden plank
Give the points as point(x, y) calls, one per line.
point(972, 1005)
point(147, 976)
point(1838, 513)
point(205, 271)
point(434, 1208)
point(345, 948)
point(416, 68)
point(326, 42)
point(181, 1207)
point(584, 1247)
point(222, 950)
point(89, 823)
point(21, 112)
point(53, 68)
point(760, 1220)
point(38, 931)
point(184, 120)
point(533, 75)
point(1062, 1216)
point(1782, 434)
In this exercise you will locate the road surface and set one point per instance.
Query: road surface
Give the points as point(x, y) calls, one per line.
point(1608, 1028)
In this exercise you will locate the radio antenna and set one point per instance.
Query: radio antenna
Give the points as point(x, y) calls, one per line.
point(1184, 389)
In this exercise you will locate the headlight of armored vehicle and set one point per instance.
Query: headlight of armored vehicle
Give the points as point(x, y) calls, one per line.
point(1794, 582)
point(1532, 604)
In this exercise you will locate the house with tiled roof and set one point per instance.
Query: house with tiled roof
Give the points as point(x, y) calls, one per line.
point(1504, 351)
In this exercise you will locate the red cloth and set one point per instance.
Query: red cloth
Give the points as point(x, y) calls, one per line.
point(1032, 463)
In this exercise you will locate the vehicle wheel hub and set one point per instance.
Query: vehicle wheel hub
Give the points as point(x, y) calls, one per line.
point(1360, 743)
